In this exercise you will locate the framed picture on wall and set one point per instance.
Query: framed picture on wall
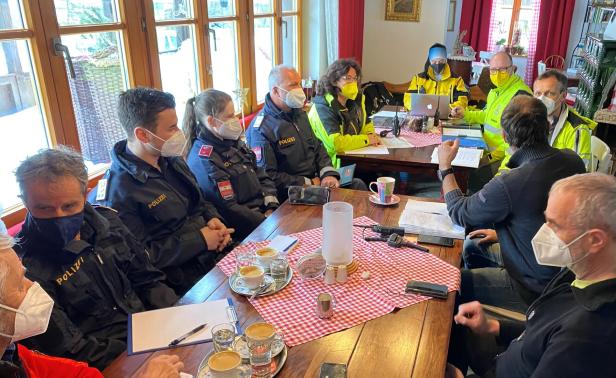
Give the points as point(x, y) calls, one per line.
point(402, 10)
point(451, 21)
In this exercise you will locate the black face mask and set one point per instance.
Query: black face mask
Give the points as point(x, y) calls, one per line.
point(438, 68)
point(61, 230)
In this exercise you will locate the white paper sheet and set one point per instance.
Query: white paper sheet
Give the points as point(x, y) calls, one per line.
point(370, 150)
point(473, 133)
point(467, 157)
point(393, 142)
point(429, 218)
point(154, 330)
point(388, 114)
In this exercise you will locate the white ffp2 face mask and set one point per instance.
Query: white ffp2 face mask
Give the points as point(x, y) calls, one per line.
point(551, 250)
point(295, 98)
point(230, 129)
point(173, 146)
point(32, 316)
point(548, 102)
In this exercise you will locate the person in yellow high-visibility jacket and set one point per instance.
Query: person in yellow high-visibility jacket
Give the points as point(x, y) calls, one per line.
point(437, 79)
point(508, 85)
point(338, 113)
point(568, 129)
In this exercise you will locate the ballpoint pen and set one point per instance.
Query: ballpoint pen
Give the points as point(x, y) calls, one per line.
point(187, 335)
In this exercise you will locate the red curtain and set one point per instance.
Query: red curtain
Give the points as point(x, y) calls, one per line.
point(350, 29)
point(475, 19)
point(553, 32)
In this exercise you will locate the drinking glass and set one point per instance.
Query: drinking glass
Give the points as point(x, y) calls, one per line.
point(278, 269)
point(244, 258)
point(223, 336)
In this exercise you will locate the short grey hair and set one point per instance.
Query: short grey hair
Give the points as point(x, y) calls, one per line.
point(595, 204)
point(50, 165)
point(276, 75)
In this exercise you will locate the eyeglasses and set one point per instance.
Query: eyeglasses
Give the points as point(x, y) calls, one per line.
point(350, 78)
point(497, 70)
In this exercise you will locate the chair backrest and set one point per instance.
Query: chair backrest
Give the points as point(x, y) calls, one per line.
point(555, 61)
point(601, 159)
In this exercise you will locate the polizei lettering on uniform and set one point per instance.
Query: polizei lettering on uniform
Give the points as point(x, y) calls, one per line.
point(158, 200)
point(69, 273)
point(286, 141)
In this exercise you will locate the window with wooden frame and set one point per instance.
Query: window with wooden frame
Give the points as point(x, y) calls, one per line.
point(512, 23)
point(64, 62)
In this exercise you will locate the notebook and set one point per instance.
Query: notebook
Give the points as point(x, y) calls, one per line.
point(154, 330)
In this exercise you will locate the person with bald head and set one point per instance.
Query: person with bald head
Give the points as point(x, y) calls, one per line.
point(569, 330)
point(508, 85)
point(283, 141)
point(25, 312)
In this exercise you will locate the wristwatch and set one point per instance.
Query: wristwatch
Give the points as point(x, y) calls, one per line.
point(443, 173)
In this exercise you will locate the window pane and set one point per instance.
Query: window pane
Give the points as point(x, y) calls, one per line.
point(11, 15)
point(264, 53)
point(221, 8)
point(178, 70)
point(289, 41)
point(172, 9)
point(100, 76)
point(289, 5)
point(263, 6)
point(21, 117)
point(86, 12)
point(503, 20)
point(223, 50)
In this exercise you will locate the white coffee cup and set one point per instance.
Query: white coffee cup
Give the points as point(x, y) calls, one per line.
point(265, 256)
point(227, 364)
point(253, 275)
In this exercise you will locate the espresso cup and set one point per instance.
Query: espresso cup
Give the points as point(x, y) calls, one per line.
point(265, 256)
point(385, 188)
point(252, 275)
point(227, 364)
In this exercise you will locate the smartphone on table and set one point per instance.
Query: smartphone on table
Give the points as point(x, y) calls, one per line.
point(436, 240)
point(331, 370)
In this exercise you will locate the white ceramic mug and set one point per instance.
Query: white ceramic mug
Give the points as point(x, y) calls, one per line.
point(385, 188)
point(253, 275)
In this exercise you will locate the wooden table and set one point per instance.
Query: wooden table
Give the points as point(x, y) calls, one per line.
point(411, 342)
point(417, 160)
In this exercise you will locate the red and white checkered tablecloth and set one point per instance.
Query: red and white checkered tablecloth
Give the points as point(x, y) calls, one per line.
point(419, 139)
point(292, 309)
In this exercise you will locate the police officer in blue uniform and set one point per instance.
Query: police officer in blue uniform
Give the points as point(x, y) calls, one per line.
point(224, 166)
point(85, 259)
point(155, 193)
point(283, 141)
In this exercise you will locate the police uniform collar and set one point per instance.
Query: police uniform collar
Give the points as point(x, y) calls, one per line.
point(134, 165)
point(597, 295)
point(526, 154)
point(271, 109)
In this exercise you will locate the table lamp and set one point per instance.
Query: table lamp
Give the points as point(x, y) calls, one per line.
point(338, 233)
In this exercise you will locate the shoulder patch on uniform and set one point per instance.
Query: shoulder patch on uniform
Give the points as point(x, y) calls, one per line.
point(101, 189)
point(258, 121)
point(225, 189)
point(205, 150)
point(258, 150)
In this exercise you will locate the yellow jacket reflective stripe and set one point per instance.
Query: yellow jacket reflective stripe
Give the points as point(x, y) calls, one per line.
point(452, 86)
point(340, 129)
point(490, 116)
point(575, 135)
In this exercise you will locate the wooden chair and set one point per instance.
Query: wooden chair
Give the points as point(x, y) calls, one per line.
point(555, 62)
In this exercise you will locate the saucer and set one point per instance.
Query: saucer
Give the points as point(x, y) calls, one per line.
point(241, 346)
point(374, 198)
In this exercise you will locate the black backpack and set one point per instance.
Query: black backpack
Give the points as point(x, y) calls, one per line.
point(376, 96)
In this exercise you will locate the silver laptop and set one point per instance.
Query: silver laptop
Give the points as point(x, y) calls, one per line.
point(426, 104)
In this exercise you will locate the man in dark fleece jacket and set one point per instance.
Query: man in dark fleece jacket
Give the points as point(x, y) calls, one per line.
point(513, 205)
point(570, 329)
